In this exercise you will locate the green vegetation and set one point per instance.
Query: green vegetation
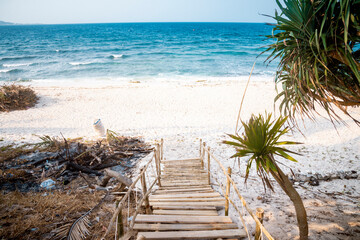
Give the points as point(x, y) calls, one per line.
point(16, 97)
point(260, 141)
point(317, 42)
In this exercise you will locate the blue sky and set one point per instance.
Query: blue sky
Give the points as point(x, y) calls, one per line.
point(102, 11)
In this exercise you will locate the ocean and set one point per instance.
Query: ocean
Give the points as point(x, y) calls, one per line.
point(123, 52)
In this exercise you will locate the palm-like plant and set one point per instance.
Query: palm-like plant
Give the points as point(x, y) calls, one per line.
point(261, 142)
point(317, 42)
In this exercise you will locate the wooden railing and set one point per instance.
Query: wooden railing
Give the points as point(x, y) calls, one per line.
point(226, 191)
point(118, 218)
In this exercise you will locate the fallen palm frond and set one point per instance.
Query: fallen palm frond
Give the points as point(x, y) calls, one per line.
point(16, 97)
point(317, 43)
point(80, 228)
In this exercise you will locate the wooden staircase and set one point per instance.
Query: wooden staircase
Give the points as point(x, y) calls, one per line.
point(184, 206)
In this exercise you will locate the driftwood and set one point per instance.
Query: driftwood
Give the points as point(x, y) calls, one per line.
point(83, 169)
point(124, 180)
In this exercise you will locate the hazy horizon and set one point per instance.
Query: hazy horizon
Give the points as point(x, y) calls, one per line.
point(137, 11)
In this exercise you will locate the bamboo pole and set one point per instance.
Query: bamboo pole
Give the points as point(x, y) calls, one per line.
point(120, 223)
point(227, 193)
point(158, 162)
point(203, 155)
point(266, 233)
point(144, 188)
point(208, 160)
point(157, 165)
point(260, 216)
point(162, 149)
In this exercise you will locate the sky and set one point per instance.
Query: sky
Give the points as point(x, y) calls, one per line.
point(106, 11)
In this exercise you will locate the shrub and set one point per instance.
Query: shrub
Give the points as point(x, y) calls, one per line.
point(16, 97)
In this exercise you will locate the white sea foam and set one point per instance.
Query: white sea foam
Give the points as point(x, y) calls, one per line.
point(16, 64)
point(4, 70)
point(80, 63)
point(114, 56)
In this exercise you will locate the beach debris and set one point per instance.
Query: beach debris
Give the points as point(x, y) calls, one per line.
point(63, 159)
point(48, 184)
point(314, 178)
point(99, 128)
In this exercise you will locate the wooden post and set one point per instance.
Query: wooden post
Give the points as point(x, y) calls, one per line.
point(208, 160)
point(200, 151)
point(120, 224)
point(157, 165)
point(203, 156)
point(162, 149)
point(144, 188)
point(260, 216)
point(227, 193)
point(158, 155)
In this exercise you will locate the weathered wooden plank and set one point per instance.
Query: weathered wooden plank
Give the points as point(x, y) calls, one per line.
point(180, 160)
point(183, 167)
point(229, 233)
point(183, 227)
point(181, 219)
point(217, 203)
point(206, 187)
point(184, 190)
point(186, 195)
point(177, 175)
point(183, 185)
point(183, 207)
point(182, 177)
point(186, 212)
point(161, 192)
point(184, 163)
point(168, 188)
point(209, 199)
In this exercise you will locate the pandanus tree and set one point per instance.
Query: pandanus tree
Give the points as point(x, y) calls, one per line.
point(318, 45)
point(260, 141)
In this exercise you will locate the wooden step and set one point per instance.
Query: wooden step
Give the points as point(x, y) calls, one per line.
point(229, 233)
point(141, 218)
point(182, 207)
point(182, 177)
point(210, 203)
point(186, 212)
point(180, 160)
point(182, 163)
point(208, 187)
point(183, 167)
point(184, 184)
point(212, 199)
point(183, 227)
point(186, 195)
point(172, 191)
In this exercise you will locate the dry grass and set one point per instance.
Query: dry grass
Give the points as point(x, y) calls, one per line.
point(38, 215)
point(16, 97)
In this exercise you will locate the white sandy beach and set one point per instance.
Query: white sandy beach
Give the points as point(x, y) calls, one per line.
point(181, 114)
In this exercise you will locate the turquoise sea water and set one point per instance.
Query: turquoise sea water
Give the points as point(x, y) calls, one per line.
point(133, 51)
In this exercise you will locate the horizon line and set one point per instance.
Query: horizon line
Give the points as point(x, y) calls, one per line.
point(12, 23)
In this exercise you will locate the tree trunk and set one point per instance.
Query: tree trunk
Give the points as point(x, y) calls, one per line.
point(294, 196)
